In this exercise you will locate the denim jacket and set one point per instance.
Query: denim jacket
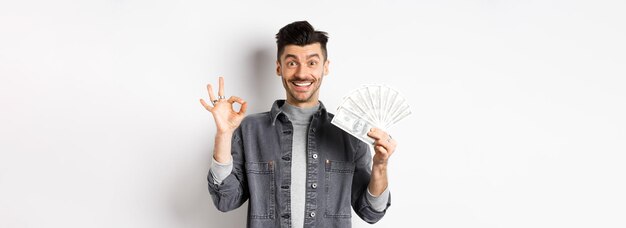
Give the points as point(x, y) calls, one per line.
point(338, 173)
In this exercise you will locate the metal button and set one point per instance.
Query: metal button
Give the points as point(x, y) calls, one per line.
point(314, 156)
point(314, 185)
point(312, 214)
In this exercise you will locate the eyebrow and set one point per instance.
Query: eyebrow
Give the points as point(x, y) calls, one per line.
point(308, 57)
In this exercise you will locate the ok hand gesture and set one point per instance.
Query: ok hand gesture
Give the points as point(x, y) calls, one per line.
point(225, 116)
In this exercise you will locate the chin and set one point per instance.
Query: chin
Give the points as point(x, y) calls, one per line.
point(302, 99)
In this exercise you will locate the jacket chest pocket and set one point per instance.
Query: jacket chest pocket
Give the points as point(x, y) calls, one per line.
point(261, 187)
point(338, 188)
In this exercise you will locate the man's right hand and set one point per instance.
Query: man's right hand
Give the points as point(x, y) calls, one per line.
point(226, 120)
point(225, 116)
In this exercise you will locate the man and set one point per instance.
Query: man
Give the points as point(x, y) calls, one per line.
point(295, 167)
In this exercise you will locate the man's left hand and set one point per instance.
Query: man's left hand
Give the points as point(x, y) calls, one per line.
point(384, 145)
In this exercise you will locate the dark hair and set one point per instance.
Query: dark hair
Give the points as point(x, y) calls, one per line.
point(300, 33)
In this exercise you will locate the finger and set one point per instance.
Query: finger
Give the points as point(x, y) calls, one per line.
point(388, 143)
point(210, 89)
point(382, 150)
point(383, 143)
point(244, 107)
point(234, 99)
point(220, 91)
point(206, 106)
point(374, 133)
point(377, 134)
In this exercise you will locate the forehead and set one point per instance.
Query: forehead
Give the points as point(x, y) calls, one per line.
point(302, 52)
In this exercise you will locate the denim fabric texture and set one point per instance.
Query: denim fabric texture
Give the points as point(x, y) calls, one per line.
point(338, 173)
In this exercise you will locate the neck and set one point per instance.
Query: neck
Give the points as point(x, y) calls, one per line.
point(299, 115)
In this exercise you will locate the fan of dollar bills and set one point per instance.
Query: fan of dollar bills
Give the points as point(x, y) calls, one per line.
point(370, 106)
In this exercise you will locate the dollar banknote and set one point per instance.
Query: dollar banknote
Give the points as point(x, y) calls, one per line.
point(353, 124)
point(370, 106)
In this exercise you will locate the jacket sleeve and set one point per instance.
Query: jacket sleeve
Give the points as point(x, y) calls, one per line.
point(232, 192)
point(360, 182)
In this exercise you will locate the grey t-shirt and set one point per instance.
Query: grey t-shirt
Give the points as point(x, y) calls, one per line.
point(300, 119)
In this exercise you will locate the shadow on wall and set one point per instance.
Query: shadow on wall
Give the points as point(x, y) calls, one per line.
point(266, 86)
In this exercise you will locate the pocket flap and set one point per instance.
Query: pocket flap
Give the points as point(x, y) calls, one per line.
point(260, 167)
point(339, 166)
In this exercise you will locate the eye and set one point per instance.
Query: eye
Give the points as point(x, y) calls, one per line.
point(313, 63)
point(292, 63)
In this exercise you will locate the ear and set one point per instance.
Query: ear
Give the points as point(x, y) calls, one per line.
point(278, 68)
point(326, 67)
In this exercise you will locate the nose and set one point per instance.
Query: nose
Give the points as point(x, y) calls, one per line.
point(301, 72)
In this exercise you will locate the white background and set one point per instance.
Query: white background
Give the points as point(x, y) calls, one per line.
point(518, 106)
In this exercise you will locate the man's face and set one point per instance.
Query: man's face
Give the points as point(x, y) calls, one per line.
point(302, 69)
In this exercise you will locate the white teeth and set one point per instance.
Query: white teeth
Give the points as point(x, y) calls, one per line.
point(303, 83)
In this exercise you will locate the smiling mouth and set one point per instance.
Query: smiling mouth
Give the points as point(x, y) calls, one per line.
point(302, 84)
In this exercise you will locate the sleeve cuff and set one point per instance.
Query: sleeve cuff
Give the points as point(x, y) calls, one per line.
point(220, 171)
point(379, 203)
